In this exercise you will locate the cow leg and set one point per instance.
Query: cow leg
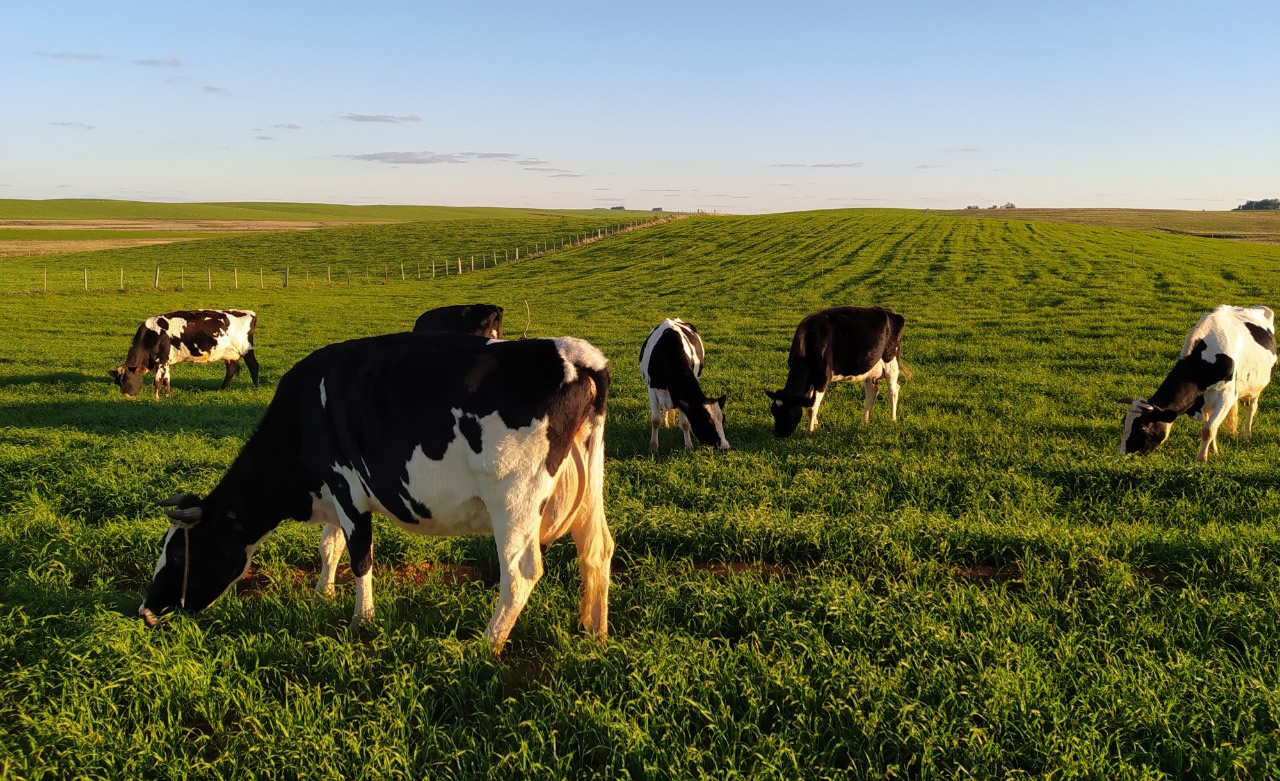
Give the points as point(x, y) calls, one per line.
point(515, 529)
point(252, 362)
point(157, 382)
point(233, 368)
point(360, 549)
point(684, 429)
point(891, 371)
point(872, 389)
point(656, 416)
point(1251, 409)
point(813, 411)
point(1221, 408)
point(162, 381)
point(332, 545)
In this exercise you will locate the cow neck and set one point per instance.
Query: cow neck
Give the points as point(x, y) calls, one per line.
point(265, 483)
point(1179, 390)
point(684, 385)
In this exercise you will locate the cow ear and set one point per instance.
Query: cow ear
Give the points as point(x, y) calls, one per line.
point(1166, 415)
point(720, 401)
point(772, 395)
point(114, 374)
point(179, 500)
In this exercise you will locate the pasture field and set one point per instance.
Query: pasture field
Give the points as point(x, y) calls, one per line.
point(1255, 225)
point(982, 589)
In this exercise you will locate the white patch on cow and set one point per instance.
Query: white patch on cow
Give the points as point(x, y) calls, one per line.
point(164, 551)
point(361, 500)
point(324, 398)
point(454, 487)
point(579, 352)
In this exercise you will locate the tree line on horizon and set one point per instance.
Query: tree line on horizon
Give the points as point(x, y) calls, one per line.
point(1265, 203)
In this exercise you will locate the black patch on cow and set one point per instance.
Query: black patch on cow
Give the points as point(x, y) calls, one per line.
point(1195, 407)
point(162, 323)
point(419, 509)
point(470, 428)
point(476, 319)
point(201, 333)
point(1190, 376)
point(1263, 337)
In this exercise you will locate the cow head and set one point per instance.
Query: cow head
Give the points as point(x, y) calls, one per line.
point(1146, 427)
point(706, 421)
point(129, 378)
point(786, 410)
point(203, 553)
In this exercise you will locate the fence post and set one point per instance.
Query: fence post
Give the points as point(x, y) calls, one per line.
point(86, 279)
point(517, 253)
point(328, 275)
point(46, 280)
point(473, 262)
point(122, 279)
point(495, 257)
point(419, 269)
point(401, 272)
point(433, 268)
point(208, 270)
point(182, 278)
point(235, 276)
point(260, 278)
point(385, 278)
point(157, 282)
point(505, 256)
point(286, 276)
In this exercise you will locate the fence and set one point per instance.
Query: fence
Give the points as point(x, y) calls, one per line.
point(281, 278)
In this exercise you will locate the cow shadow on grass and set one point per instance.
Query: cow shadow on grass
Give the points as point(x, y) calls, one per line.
point(200, 414)
point(627, 440)
point(63, 381)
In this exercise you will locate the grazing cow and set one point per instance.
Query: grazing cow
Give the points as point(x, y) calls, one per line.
point(671, 363)
point(853, 343)
point(199, 335)
point(444, 434)
point(1228, 357)
point(478, 319)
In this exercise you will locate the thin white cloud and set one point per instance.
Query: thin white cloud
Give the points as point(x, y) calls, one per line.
point(407, 158)
point(490, 155)
point(529, 161)
point(76, 125)
point(167, 62)
point(288, 126)
point(209, 89)
point(550, 170)
point(566, 176)
point(265, 138)
point(71, 56)
point(381, 118)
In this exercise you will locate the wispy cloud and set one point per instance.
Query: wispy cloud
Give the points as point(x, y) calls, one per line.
point(265, 138)
point(390, 118)
point(529, 161)
point(288, 126)
point(490, 155)
point(209, 89)
point(71, 56)
point(667, 191)
point(76, 125)
point(167, 62)
point(407, 158)
point(727, 195)
point(815, 165)
point(566, 176)
point(550, 170)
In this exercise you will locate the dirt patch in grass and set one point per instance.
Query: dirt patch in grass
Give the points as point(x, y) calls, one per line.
point(203, 226)
point(26, 249)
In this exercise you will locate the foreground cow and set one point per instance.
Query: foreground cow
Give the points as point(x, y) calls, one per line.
point(478, 319)
point(1228, 357)
point(671, 363)
point(444, 434)
point(200, 335)
point(852, 343)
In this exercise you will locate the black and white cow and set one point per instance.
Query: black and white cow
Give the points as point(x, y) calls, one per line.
point(478, 319)
point(445, 434)
point(671, 363)
point(853, 343)
point(199, 335)
point(1227, 358)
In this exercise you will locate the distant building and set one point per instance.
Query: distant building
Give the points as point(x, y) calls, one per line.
point(618, 208)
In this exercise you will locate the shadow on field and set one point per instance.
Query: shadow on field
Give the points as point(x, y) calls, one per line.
point(138, 416)
point(73, 381)
point(628, 440)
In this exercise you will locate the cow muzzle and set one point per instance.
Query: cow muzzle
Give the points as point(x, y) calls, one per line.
point(149, 618)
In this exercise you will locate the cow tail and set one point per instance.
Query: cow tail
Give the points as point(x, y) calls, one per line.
point(590, 529)
point(896, 322)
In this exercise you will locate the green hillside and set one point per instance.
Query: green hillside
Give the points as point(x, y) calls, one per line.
point(102, 209)
point(983, 588)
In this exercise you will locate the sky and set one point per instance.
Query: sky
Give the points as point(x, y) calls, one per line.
point(737, 107)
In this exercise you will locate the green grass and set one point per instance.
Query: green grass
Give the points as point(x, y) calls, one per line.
point(1128, 629)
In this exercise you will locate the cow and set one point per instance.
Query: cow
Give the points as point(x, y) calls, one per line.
point(1228, 357)
point(478, 319)
point(444, 434)
point(199, 335)
point(852, 343)
point(671, 363)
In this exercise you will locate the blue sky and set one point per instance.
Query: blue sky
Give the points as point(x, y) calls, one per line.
point(738, 107)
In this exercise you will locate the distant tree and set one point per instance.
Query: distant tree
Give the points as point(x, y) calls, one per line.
point(1266, 203)
point(1008, 205)
point(993, 206)
point(973, 206)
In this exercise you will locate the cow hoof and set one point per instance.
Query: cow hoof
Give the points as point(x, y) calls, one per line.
point(725, 446)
